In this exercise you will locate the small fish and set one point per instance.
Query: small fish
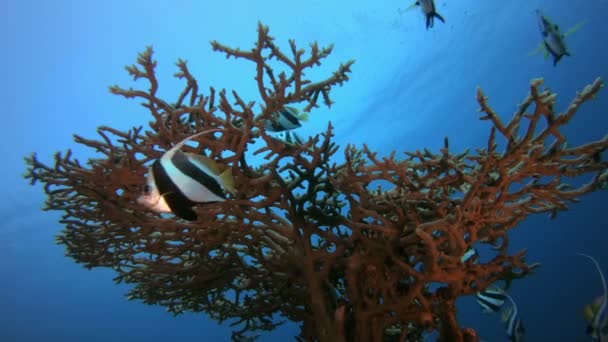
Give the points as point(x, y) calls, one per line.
point(289, 137)
point(285, 119)
point(470, 254)
point(596, 313)
point(553, 40)
point(492, 299)
point(514, 326)
point(179, 180)
point(429, 10)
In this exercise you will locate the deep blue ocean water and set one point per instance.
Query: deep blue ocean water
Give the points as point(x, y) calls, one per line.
point(410, 87)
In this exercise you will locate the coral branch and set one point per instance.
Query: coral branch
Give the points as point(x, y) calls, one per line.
point(369, 249)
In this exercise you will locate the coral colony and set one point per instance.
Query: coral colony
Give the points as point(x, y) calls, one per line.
point(369, 249)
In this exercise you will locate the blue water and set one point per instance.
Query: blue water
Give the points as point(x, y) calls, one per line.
point(410, 87)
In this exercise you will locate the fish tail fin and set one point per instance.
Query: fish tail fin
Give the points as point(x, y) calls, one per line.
point(556, 59)
point(438, 16)
point(228, 180)
point(303, 116)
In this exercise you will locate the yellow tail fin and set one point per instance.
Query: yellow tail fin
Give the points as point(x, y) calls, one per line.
point(228, 181)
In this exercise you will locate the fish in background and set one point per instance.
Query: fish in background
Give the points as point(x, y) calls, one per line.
point(492, 300)
point(553, 40)
point(493, 297)
point(179, 180)
point(287, 118)
point(429, 9)
point(514, 326)
point(596, 313)
point(289, 137)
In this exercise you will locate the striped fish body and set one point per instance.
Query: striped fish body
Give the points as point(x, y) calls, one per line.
point(290, 138)
point(285, 119)
point(513, 325)
point(178, 181)
point(492, 299)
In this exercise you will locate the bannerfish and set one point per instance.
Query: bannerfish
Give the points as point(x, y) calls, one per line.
point(553, 40)
point(285, 119)
point(289, 137)
point(514, 326)
point(179, 180)
point(492, 299)
point(429, 10)
point(596, 313)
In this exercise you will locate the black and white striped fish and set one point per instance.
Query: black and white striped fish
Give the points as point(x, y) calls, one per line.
point(285, 119)
point(179, 180)
point(429, 10)
point(290, 137)
point(596, 313)
point(514, 326)
point(492, 299)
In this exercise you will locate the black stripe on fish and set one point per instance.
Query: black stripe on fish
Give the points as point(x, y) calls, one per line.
point(185, 165)
point(489, 304)
point(290, 117)
point(514, 326)
point(288, 138)
point(180, 205)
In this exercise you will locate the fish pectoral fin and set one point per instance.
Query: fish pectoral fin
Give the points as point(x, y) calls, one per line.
point(589, 311)
point(506, 313)
point(540, 48)
point(409, 8)
point(575, 28)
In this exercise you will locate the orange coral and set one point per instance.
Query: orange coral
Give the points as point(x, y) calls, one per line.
point(347, 250)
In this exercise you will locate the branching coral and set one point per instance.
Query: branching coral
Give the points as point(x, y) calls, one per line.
point(351, 251)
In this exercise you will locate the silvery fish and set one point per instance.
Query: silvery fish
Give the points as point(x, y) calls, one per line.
point(553, 43)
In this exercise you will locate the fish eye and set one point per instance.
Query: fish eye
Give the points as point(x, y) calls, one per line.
point(147, 189)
